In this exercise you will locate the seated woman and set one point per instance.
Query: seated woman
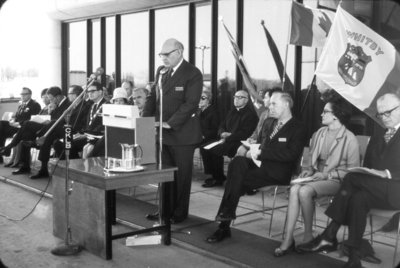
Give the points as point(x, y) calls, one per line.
point(209, 121)
point(333, 149)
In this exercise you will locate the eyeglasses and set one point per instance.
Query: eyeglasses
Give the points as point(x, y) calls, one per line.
point(72, 93)
point(167, 53)
point(326, 112)
point(23, 94)
point(386, 113)
point(239, 97)
point(91, 91)
point(203, 98)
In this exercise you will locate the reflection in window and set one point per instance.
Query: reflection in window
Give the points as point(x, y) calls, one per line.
point(110, 54)
point(77, 53)
point(135, 48)
point(256, 52)
point(226, 74)
point(177, 28)
point(203, 40)
point(96, 44)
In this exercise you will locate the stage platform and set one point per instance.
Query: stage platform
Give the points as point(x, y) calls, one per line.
point(249, 246)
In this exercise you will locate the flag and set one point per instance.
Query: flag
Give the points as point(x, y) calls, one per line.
point(237, 54)
point(288, 86)
point(358, 63)
point(310, 26)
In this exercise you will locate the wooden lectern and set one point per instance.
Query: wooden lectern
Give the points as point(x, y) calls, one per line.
point(124, 125)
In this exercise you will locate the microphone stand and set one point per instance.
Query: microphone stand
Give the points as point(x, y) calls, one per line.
point(162, 72)
point(69, 248)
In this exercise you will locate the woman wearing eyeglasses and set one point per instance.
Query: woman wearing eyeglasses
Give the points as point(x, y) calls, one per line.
point(333, 149)
point(209, 121)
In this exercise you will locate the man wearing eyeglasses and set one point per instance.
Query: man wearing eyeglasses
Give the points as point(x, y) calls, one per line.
point(30, 130)
point(26, 109)
point(180, 84)
point(238, 125)
point(361, 192)
point(93, 123)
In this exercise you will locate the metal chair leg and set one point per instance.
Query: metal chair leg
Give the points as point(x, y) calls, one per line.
point(272, 211)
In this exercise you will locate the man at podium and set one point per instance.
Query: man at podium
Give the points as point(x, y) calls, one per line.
point(180, 84)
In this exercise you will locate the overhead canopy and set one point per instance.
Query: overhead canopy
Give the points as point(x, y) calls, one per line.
point(76, 9)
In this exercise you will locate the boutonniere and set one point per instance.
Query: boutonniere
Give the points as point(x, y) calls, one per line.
point(26, 109)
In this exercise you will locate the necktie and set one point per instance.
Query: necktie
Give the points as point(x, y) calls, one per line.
point(389, 134)
point(166, 76)
point(93, 112)
point(276, 129)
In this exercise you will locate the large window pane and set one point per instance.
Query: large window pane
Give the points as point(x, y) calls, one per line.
point(135, 48)
point(203, 40)
point(256, 52)
point(110, 53)
point(171, 23)
point(96, 44)
point(77, 53)
point(226, 62)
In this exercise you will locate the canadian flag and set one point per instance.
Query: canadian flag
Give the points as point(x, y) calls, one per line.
point(309, 26)
point(358, 63)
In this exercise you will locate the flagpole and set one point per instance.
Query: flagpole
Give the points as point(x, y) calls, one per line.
point(286, 51)
point(308, 94)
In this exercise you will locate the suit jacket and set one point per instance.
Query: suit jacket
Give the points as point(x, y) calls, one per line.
point(343, 154)
point(280, 155)
point(381, 156)
point(95, 127)
point(209, 121)
point(79, 116)
point(24, 113)
point(240, 124)
point(181, 96)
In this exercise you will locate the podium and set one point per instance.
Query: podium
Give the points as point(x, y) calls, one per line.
point(124, 125)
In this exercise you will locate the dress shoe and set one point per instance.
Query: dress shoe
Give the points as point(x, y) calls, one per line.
point(252, 192)
point(279, 252)
point(40, 174)
point(392, 224)
point(9, 164)
point(318, 244)
point(224, 217)
point(353, 263)
point(21, 170)
point(212, 183)
point(219, 235)
point(5, 151)
point(153, 216)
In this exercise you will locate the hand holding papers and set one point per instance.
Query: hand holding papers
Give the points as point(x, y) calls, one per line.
point(255, 152)
point(42, 119)
point(302, 180)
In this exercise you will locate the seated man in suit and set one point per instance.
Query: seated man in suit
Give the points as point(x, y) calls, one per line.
point(361, 192)
point(94, 122)
point(138, 98)
point(76, 120)
point(26, 109)
point(240, 122)
point(30, 130)
point(282, 141)
point(128, 86)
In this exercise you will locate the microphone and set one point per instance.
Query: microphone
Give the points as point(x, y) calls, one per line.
point(92, 77)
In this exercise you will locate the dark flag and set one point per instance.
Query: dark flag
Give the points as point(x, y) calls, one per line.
point(288, 86)
point(237, 54)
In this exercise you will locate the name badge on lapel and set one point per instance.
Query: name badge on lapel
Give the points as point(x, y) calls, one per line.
point(282, 139)
point(178, 88)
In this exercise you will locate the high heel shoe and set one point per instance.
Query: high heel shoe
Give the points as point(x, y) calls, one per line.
point(282, 252)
